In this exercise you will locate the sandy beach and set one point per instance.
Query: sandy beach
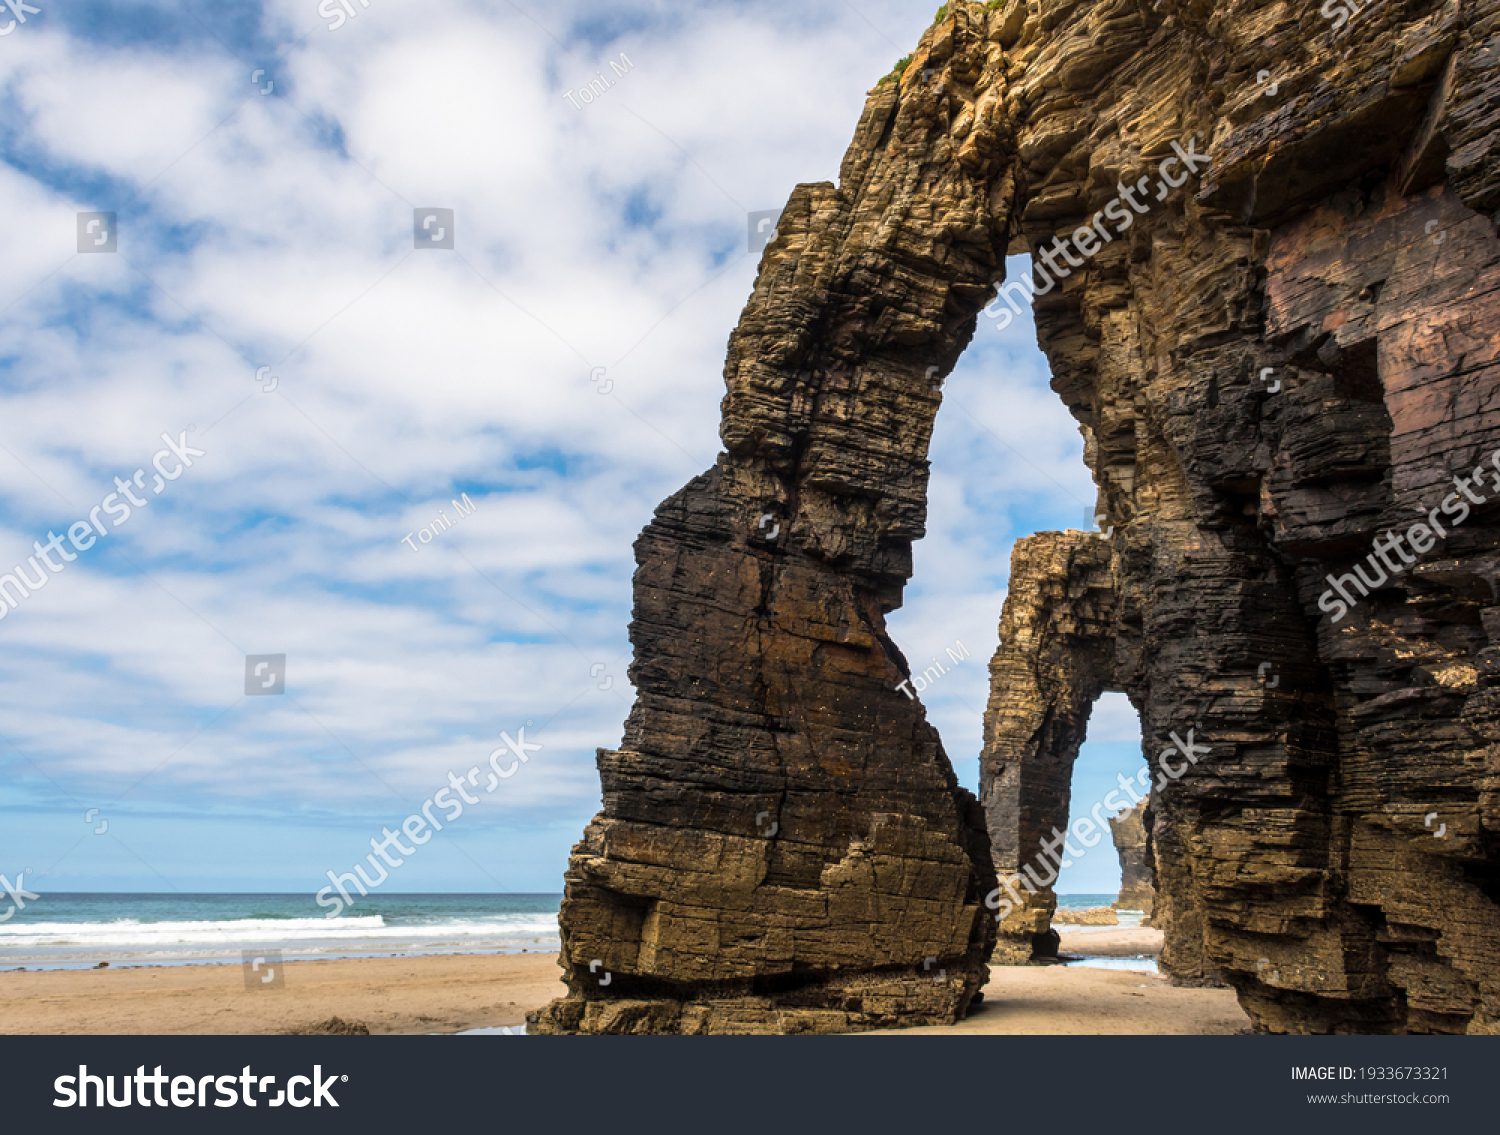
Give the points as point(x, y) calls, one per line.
point(1109, 941)
point(442, 994)
point(456, 993)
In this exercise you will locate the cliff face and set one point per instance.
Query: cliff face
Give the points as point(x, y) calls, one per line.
point(783, 845)
point(1128, 830)
point(1285, 354)
point(1056, 656)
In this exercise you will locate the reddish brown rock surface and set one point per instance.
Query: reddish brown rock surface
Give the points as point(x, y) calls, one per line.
point(1281, 359)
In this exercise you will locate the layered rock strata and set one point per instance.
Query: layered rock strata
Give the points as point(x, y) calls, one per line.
point(1056, 656)
point(783, 844)
point(1092, 916)
point(1128, 831)
point(1286, 355)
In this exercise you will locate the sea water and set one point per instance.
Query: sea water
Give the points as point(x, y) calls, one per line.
point(78, 931)
point(75, 931)
point(1128, 919)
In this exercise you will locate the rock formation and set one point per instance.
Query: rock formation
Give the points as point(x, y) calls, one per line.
point(783, 845)
point(1128, 830)
point(1091, 916)
point(1285, 355)
point(1056, 656)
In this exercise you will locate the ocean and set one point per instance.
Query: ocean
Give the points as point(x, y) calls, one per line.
point(1128, 918)
point(78, 931)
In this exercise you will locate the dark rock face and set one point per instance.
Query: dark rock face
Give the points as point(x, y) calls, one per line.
point(1056, 656)
point(1280, 364)
point(783, 845)
point(1128, 830)
point(1287, 354)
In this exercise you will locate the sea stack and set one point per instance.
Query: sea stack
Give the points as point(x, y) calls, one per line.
point(1128, 830)
point(1265, 270)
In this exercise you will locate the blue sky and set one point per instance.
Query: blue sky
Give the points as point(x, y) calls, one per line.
point(275, 230)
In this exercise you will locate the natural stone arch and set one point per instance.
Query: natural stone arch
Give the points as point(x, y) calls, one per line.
point(1061, 648)
point(782, 844)
point(1056, 657)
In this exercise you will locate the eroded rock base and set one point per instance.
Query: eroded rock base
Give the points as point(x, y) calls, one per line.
point(838, 1005)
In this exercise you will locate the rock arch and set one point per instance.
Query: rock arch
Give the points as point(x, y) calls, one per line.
point(1056, 657)
point(1276, 363)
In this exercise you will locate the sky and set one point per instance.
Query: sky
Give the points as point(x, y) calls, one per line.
point(306, 375)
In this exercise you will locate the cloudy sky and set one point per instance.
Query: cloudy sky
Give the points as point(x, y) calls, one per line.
point(259, 296)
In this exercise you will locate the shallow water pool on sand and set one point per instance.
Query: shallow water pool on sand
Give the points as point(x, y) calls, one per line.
point(1135, 965)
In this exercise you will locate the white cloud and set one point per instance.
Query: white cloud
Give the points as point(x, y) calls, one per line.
point(270, 231)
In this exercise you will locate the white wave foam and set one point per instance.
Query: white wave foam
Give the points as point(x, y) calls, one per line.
point(349, 932)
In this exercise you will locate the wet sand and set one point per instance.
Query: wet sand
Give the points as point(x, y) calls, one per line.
point(1109, 941)
point(455, 993)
